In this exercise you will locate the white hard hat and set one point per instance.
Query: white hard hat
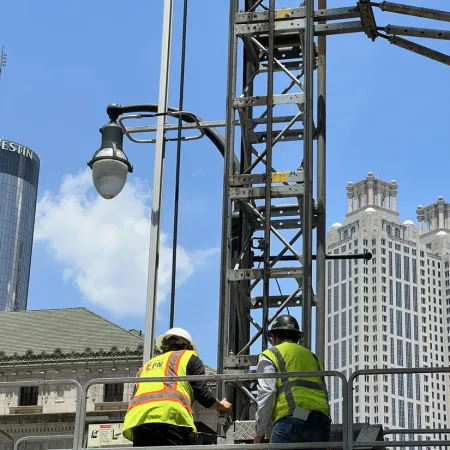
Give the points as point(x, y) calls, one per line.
point(175, 332)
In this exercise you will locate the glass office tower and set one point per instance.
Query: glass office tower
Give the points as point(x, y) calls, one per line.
point(19, 175)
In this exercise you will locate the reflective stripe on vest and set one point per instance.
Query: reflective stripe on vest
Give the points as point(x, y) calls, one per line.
point(286, 385)
point(165, 395)
point(172, 368)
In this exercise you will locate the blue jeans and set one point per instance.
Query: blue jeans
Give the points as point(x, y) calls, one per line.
point(290, 430)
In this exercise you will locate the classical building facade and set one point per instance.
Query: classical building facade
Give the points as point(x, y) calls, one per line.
point(392, 311)
point(57, 346)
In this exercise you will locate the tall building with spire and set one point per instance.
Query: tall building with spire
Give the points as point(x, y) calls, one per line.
point(392, 311)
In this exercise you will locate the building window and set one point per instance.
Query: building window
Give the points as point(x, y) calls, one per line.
point(406, 267)
point(388, 229)
point(398, 294)
point(113, 392)
point(399, 323)
point(397, 233)
point(393, 414)
point(401, 413)
point(344, 354)
point(336, 327)
point(400, 354)
point(416, 328)
point(336, 298)
point(401, 386)
point(29, 396)
point(392, 351)
point(398, 266)
point(408, 325)
point(343, 269)
point(407, 297)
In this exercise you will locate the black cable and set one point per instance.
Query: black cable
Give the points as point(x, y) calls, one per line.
point(178, 165)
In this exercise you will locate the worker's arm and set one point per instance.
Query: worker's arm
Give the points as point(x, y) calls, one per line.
point(202, 392)
point(266, 398)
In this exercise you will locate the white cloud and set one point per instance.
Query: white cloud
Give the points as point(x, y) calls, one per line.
point(102, 245)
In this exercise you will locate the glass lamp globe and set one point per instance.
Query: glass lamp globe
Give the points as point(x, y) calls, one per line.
point(110, 168)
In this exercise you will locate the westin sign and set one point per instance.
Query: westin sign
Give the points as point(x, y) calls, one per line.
point(18, 148)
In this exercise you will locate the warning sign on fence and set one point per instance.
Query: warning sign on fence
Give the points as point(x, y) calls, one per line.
point(106, 435)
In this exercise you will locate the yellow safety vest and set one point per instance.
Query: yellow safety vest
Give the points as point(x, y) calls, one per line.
point(305, 392)
point(157, 402)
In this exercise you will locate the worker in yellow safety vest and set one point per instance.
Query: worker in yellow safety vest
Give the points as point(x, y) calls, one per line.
point(296, 408)
point(161, 413)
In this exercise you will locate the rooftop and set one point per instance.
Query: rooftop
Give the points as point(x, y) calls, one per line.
point(68, 330)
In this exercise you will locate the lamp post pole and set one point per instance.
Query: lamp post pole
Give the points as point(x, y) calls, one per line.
point(155, 227)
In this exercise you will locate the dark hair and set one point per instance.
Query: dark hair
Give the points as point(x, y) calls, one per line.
point(174, 343)
point(287, 335)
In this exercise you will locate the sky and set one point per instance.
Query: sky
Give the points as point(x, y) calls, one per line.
point(388, 113)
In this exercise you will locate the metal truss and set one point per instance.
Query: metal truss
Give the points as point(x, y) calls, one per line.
point(270, 212)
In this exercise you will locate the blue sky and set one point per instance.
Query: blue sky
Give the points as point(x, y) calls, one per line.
point(388, 113)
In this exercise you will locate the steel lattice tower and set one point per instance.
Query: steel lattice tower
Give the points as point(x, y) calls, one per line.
point(274, 195)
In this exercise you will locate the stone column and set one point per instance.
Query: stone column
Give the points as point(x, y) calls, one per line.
point(350, 196)
point(370, 183)
point(393, 193)
point(440, 207)
point(419, 212)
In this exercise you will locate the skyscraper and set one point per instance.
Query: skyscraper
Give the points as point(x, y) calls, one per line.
point(392, 311)
point(19, 175)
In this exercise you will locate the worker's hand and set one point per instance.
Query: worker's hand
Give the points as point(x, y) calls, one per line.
point(260, 440)
point(223, 406)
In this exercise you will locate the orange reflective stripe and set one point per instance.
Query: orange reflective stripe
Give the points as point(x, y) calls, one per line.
point(161, 396)
point(138, 375)
point(177, 366)
point(172, 366)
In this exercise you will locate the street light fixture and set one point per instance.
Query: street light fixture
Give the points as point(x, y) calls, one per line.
point(110, 165)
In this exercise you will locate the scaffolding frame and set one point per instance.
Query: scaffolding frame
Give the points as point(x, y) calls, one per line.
point(277, 197)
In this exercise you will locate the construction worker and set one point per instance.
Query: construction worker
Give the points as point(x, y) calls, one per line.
point(161, 413)
point(296, 407)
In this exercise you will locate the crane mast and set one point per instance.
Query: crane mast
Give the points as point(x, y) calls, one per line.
point(274, 198)
point(269, 212)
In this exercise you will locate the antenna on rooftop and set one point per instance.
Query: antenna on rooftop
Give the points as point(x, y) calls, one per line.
point(2, 61)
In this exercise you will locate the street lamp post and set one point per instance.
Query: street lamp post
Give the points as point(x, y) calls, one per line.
point(110, 167)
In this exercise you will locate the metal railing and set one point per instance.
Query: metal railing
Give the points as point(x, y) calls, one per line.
point(397, 371)
point(348, 442)
point(42, 439)
point(79, 426)
point(6, 384)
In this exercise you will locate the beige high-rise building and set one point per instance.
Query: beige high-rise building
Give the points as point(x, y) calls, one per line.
point(392, 311)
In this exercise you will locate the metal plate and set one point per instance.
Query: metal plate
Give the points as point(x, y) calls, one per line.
point(244, 430)
point(295, 190)
point(284, 26)
point(241, 361)
point(257, 274)
point(281, 99)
